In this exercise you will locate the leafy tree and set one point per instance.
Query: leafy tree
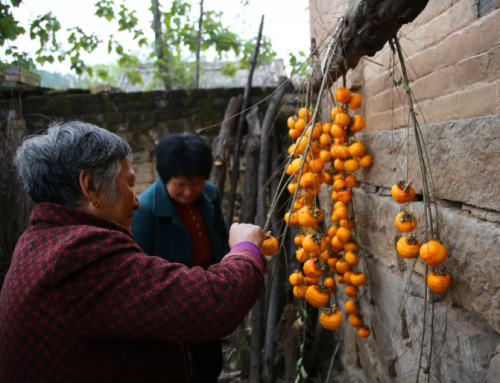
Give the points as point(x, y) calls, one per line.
point(178, 33)
point(298, 63)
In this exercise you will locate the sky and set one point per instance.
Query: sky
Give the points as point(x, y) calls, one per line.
point(286, 24)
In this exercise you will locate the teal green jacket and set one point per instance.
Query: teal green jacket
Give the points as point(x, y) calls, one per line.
point(159, 230)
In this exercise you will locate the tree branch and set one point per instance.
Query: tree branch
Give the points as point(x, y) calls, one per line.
point(368, 26)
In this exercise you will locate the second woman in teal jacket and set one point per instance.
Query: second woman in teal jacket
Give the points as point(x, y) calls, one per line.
point(181, 220)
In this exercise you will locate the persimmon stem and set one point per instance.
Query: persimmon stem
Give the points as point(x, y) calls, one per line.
point(427, 208)
point(416, 129)
point(331, 53)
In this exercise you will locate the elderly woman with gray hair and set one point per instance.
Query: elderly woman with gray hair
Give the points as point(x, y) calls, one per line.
point(81, 301)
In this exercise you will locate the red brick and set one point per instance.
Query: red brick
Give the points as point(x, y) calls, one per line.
point(379, 121)
point(408, 45)
point(372, 70)
point(478, 101)
point(429, 34)
point(422, 63)
point(146, 167)
point(369, 70)
point(473, 40)
point(460, 15)
point(492, 71)
point(377, 85)
point(453, 19)
point(399, 117)
point(433, 9)
point(497, 104)
point(423, 109)
point(142, 187)
point(470, 71)
point(434, 85)
point(144, 178)
point(379, 103)
point(444, 109)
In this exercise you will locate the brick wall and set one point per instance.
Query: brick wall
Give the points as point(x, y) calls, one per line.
point(453, 51)
point(141, 118)
point(455, 63)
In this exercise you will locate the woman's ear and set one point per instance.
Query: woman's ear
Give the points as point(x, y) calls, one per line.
point(88, 188)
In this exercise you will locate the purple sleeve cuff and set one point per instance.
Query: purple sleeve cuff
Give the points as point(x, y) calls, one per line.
point(251, 247)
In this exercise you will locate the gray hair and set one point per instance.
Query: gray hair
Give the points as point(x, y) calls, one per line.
point(49, 164)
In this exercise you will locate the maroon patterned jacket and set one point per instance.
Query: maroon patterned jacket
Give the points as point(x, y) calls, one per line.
point(82, 303)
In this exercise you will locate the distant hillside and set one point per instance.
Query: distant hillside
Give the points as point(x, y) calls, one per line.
point(56, 80)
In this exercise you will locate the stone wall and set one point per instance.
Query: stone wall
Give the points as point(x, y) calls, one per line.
point(141, 118)
point(454, 51)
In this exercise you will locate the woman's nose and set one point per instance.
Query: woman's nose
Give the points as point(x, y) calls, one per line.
point(137, 203)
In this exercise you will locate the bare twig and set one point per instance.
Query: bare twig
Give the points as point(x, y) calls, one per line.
point(239, 132)
point(198, 48)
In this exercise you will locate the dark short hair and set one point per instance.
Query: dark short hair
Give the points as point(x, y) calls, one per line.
point(49, 164)
point(183, 155)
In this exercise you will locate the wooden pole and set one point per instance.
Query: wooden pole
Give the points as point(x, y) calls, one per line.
point(220, 146)
point(239, 133)
point(15, 206)
point(252, 151)
point(265, 141)
point(277, 294)
point(198, 48)
point(262, 180)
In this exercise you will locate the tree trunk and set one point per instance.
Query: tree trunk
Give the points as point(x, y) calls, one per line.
point(265, 141)
point(198, 48)
point(262, 180)
point(291, 337)
point(15, 205)
point(277, 295)
point(239, 133)
point(311, 322)
point(159, 45)
point(220, 146)
point(252, 150)
point(258, 308)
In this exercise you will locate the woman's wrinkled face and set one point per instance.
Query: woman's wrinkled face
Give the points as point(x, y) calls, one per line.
point(185, 190)
point(121, 209)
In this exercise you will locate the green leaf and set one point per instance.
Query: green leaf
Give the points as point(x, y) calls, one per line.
point(229, 69)
point(303, 372)
point(90, 71)
point(407, 87)
point(105, 8)
point(110, 44)
point(103, 74)
point(119, 49)
point(297, 379)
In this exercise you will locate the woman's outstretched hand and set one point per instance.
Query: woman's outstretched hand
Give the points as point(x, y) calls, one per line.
point(244, 232)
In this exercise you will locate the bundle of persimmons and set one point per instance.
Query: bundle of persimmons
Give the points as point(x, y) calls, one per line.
point(327, 153)
point(433, 253)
